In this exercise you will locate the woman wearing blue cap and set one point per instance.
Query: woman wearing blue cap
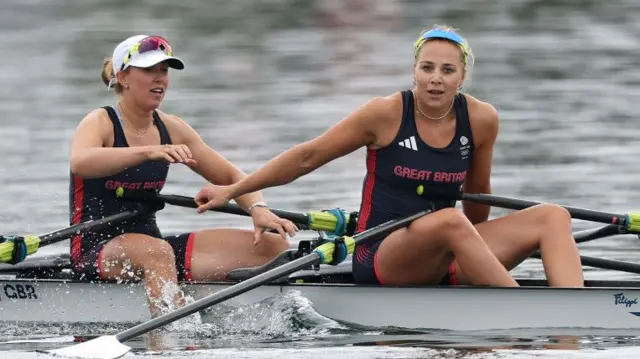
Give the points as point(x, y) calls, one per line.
point(428, 142)
point(130, 145)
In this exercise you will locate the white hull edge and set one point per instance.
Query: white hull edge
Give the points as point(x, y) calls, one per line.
point(452, 308)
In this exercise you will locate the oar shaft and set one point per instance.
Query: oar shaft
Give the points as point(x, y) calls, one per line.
point(184, 201)
point(590, 235)
point(610, 264)
point(313, 258)
point(518, 204)
point(83, 227)
point(596, 233)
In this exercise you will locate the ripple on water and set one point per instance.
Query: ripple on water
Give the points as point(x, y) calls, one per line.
point(262, 78)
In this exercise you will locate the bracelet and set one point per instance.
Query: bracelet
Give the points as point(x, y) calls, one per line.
point(257, 204)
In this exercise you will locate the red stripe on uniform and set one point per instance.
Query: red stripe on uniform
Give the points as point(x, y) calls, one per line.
point(452, 274)
point(78, 205)
point(375, 269)
point(187, 257)
point(365, 208)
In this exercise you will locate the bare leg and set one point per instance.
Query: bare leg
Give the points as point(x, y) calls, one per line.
point(136, 256)
point(547, 227)
point(422, 252)
point(216, 252)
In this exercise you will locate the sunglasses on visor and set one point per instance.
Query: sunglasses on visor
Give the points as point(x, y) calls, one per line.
point(151, 43)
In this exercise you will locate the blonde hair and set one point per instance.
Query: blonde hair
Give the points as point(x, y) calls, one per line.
point(108, 76)
point(467, 58)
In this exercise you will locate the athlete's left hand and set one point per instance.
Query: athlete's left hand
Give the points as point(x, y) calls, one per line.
point(264, 219)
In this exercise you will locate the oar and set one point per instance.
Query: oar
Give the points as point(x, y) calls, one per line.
point(324, 221)
point(596, 233)
point(630, 222)
point(110, 346)
point(32, 242)
point(604, 264)
point(313, 220)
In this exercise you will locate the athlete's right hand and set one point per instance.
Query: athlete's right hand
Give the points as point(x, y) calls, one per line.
point(171, 154)
point(212, 196)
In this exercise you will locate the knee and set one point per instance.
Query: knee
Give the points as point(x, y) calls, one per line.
point(449, 224)
point(548, 214)
point(454, 223)
point(157, 254)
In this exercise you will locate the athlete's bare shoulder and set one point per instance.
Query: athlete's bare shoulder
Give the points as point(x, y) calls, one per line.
point(383, 118)
point(96, 126)
point(96, 121)
point(170, 120)
point(385, 107)
point(179, 130)
point(96, 117)
point(484, 119)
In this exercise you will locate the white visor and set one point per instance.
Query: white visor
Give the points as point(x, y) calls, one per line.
point(144, 60)
point(151, 58)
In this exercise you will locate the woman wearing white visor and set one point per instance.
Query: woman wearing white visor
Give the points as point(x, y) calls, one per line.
point(131, 145)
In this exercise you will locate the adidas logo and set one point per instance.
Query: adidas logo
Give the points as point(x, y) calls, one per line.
point(409, 143)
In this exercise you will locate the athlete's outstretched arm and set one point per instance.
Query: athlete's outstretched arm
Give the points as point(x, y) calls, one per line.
point(479, 174)
point(89, 156)
point(353, 132)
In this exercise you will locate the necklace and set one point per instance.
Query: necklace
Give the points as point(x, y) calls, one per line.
point(433, 118)
point(140, 132)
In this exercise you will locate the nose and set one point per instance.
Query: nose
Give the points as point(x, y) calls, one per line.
point(436, 79)
point(160, 76)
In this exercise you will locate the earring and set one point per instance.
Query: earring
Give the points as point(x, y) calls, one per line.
point(126, 86)
point(414, 81)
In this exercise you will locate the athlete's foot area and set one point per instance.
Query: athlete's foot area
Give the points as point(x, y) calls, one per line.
point(171, 299)
point(189, 323)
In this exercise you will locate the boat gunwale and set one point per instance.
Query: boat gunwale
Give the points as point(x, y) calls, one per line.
point(529, 284)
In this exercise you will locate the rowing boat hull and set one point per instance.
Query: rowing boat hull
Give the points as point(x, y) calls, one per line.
point(454, 308)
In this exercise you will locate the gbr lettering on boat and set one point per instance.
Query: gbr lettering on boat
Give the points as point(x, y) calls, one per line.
point(19, 292)
point(442, 177)
point(112, 185)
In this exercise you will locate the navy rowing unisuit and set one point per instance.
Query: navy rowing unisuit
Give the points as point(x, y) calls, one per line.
point(95, 198)
point(396, 171)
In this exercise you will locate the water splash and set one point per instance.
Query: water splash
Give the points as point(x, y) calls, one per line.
point(288, 315)
point(172, 294)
